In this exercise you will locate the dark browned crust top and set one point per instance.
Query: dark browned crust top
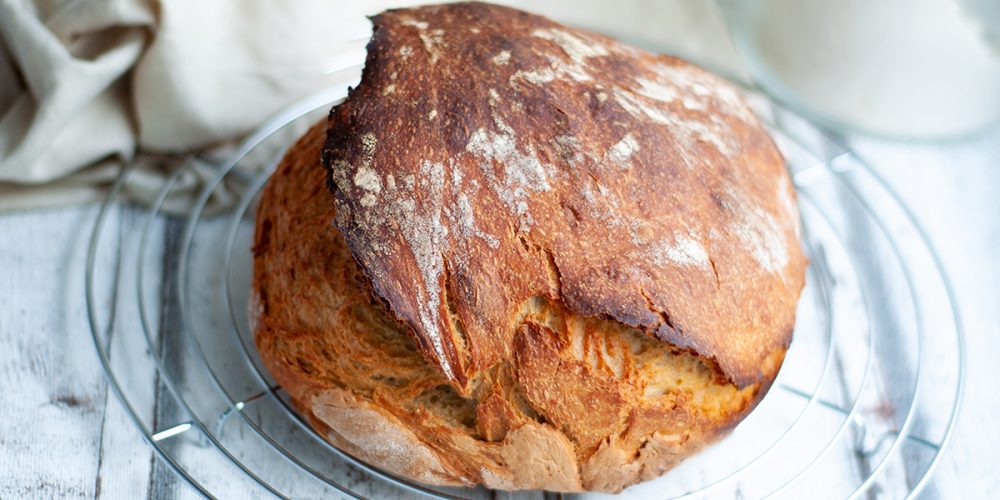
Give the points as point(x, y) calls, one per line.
point(490, 155)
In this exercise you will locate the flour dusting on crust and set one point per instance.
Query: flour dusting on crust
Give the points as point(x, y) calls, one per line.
point(521, 172)
point(623, 150)
point(759, 232)
point(685, 250)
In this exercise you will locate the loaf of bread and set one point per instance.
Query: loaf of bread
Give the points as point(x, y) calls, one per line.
point(526, 256)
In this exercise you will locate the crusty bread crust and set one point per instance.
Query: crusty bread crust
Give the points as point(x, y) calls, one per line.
point(551, 377)
point(490, 155)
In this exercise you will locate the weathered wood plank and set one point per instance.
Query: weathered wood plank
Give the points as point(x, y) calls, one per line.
point(53, 392)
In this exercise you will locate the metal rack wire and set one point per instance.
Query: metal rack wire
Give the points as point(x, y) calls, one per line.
point(851, 396)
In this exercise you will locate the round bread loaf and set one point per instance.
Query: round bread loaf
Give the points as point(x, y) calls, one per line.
point(526, 256)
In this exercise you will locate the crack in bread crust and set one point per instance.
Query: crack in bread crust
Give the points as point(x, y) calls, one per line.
point(578, 403)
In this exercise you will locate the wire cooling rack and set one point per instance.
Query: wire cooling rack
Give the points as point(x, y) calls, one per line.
point(865, 403)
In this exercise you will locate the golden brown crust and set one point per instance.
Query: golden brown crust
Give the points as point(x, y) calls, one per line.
point(489, 156)
point(561, 368)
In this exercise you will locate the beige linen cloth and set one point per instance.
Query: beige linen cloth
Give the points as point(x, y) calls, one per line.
point(87, 86)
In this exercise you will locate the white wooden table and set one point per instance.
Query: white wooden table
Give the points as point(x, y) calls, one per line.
point(63, 434)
